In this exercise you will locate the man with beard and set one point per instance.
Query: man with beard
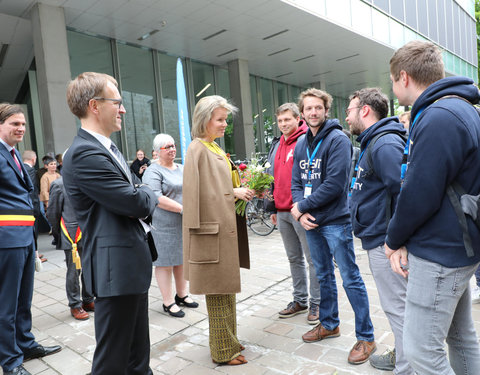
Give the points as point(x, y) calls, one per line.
point(319, 189)
point(374, 195)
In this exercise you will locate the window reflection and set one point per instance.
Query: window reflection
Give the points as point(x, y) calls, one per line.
point(168, 76)
point(139, 98)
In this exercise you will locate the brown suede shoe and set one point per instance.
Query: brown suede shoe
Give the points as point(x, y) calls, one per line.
point(361, 351)
point(320, 333)
point(79, 313)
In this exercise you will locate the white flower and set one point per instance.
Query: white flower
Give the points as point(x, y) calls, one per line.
point(267, 165)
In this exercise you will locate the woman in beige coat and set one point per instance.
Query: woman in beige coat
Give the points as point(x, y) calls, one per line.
point(215, 243)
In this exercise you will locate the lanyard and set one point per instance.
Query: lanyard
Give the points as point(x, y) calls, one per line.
point(354, 178)
point(310, 159)
point(407, 146)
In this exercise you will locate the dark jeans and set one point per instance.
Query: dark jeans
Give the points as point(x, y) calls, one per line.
point(336, 241)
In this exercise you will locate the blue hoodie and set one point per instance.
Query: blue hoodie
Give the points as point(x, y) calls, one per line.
point(444, 147)
point(369, 194)
point(331, 166)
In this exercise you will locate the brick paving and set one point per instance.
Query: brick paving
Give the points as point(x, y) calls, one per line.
point(180, 346)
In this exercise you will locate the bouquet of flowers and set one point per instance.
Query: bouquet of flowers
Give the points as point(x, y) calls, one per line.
point(253, 176)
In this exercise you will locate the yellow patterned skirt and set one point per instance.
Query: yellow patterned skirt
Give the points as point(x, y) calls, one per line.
point(222, 318)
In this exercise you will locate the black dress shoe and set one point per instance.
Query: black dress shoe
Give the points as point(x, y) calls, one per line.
point(181, 302)
point(176, 314)
point(19, 370)
point(40, 351)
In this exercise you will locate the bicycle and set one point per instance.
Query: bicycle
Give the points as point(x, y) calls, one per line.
point(257, 219)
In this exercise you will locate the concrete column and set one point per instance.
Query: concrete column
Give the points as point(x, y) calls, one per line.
point(53, 74)
point(242, 121)
point(319, 85)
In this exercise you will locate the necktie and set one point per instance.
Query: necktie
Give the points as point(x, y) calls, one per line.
point(120, 158)
point(12, 151)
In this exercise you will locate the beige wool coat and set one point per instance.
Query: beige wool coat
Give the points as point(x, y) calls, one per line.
point(215, 242)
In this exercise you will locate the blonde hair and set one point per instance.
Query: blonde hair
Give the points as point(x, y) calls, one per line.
point(325, 96)
point(203, 113)
point(85, 87)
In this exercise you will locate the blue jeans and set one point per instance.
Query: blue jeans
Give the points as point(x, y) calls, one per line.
point(439, 308)
point(336, 241)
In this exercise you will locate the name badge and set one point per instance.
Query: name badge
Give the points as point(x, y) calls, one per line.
point(308, 190)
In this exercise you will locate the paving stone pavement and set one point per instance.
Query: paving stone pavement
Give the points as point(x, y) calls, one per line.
point(180, 346)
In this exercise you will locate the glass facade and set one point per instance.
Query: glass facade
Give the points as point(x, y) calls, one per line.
point(449, 23)
point(169, 104)
point(139, 98)
point(147, 80)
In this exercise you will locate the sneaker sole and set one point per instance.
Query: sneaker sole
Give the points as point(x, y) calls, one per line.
point(293, 314)
point(313, 322)
point(384, 368)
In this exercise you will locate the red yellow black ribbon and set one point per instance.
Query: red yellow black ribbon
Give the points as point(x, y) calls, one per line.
point(78, 236)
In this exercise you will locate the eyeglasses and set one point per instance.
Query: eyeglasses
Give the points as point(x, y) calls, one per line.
point(347, 111)
point(167, 147)
point(118, 102)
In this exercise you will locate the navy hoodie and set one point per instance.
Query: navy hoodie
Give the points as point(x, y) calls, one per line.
point(444, 147)
point(331, 167)
point(369, 198)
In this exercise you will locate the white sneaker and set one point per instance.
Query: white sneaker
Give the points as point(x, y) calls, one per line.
point(476, 294)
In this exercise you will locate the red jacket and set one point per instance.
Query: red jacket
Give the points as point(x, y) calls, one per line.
point(282, 169)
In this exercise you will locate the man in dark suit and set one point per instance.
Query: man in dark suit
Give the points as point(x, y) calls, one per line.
point(109, 202)
point(17, 250)
point(29, 158)
point(65, 227)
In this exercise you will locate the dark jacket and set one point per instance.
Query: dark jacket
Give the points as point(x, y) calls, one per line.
point(36, 190)
point(136, 164)
point(116, 258)
point(444, 147)
point(376, 189)
point(331, 166)
point(59, 206)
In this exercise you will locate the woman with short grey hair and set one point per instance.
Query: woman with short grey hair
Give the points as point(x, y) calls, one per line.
point(165, 177)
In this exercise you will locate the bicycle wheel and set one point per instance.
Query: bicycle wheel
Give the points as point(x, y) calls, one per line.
point(257, 219)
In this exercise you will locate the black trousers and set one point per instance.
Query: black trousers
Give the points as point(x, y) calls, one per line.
point(122, 335)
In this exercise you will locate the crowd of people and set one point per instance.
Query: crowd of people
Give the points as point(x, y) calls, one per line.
point(409, 200)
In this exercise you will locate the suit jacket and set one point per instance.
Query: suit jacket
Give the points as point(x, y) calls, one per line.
point(59, 206)
point(116, 258)
point(34, 195)
point(15, 192)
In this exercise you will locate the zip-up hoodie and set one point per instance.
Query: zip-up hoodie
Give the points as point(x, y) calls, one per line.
point(329, 177)
point(282, 166)
point(444, 147)
point(369, 198)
